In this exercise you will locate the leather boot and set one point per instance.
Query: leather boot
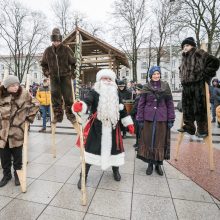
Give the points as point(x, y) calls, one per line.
point(149, 170)
point(17, 182)
point(5, 180)
point(159, 170)
point(58, 115)
point(189, 127)
point(80, 176)
point(202, 129)
point(116, 174)
point(70, 116)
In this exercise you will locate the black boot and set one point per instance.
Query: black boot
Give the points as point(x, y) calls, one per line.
point(116, 174)
point(149, 170)
point(5, 180)
point(159, 170)
point(17, 182)
point(80, 176)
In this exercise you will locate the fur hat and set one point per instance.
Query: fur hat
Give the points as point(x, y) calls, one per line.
point(139, 86)
point(154, 69)
point(190, 41)
point(10, 80)
point(56, 35)
point(121, 83)
point(105, 73)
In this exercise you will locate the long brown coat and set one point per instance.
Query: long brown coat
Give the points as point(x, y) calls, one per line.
point(14, 111)
point(56, 62)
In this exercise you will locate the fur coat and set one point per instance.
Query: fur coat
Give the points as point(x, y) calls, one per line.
point(56, 62)
point(14, 111)
point(197, 65)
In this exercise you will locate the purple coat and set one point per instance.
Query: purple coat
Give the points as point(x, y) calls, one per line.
point(156, 102)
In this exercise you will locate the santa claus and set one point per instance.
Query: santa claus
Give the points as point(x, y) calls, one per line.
point(103, 145)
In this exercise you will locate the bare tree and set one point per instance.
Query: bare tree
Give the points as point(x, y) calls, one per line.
point(129, 28)
point(23, 31)
point(165, 15)
point(62, 12)
point(203, 17)
point(68, 19)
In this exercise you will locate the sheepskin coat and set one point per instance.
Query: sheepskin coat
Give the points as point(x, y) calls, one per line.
point(14, 111)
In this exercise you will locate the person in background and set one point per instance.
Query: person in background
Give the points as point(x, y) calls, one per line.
point(124, 94)
point(211, 91)
point(133, 114)
point(43, 96)
point(216, 95)
point(156, 117)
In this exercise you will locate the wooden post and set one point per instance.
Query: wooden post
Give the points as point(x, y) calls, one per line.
point(78, 55)
point(22, 174)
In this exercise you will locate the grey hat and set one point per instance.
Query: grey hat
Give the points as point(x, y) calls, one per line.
point(10, 80)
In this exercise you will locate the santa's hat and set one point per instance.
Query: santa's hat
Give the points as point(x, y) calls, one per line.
point(106, 73)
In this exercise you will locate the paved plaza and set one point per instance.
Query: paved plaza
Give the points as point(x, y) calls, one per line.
point(52, 193)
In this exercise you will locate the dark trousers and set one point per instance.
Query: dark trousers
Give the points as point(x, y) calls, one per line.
point(194, 105)
point(45, 109)
point(61, 90)
point(6, 159)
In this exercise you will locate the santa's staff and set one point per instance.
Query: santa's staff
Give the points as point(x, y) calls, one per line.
point(78, 116)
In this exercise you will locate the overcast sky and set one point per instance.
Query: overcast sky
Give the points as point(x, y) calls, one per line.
point(96, 10)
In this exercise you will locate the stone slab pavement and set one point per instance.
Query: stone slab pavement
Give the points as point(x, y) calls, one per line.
point(52, 192)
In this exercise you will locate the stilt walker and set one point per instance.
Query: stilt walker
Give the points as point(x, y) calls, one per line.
point(78, 55)
point(196, 82)
point(58, 63)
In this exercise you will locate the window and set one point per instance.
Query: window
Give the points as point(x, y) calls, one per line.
point(35, 75)
point(127, 73)
point(173, 63)
point(165, 75)
point(144, 65)
point(143, 75)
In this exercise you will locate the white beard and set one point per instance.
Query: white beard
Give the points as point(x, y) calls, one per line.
point(108, 106)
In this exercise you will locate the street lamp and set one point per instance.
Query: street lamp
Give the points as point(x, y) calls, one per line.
point(171, 1)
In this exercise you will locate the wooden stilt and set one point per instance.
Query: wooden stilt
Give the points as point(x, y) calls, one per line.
point(208, 139)
point(179, 139)
point(22, 174)
point(53, 137)
point(53, 131)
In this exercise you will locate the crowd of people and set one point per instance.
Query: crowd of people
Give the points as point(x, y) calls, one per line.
point(108, 103)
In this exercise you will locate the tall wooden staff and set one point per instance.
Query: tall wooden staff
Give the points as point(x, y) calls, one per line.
point(22, 174)
point(78, 55)
point(208, 139)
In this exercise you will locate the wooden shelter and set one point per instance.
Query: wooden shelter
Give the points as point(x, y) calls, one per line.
point(95, 55)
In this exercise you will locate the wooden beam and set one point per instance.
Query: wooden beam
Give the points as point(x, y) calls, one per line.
point(96, 61)
point(83, 42)
point(96, 56)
